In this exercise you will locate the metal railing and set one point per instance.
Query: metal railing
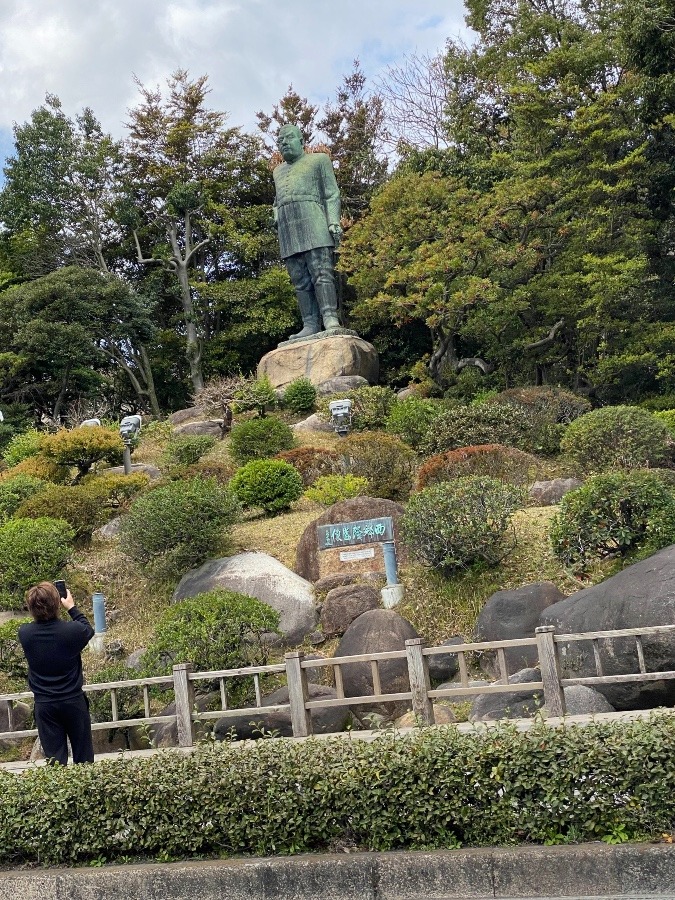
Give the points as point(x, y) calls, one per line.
point(183, 681)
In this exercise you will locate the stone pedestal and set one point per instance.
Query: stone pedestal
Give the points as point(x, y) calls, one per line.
point(319, 358)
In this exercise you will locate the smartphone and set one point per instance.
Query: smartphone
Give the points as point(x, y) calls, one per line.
point(61, 588)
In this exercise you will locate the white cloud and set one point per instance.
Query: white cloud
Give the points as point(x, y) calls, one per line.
point(87, 51)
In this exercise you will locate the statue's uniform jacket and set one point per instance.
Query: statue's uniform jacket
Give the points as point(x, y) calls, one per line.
point(307, 202)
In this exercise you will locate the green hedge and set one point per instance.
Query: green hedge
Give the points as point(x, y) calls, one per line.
point(436, 788)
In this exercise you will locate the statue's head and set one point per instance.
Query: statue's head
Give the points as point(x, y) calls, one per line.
point(290, 143)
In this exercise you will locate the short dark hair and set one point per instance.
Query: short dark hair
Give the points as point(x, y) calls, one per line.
point(43, 601)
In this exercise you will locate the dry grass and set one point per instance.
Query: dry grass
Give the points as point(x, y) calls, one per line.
point(278, 536)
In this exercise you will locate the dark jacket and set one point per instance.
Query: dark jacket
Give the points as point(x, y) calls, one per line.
point(53, 652)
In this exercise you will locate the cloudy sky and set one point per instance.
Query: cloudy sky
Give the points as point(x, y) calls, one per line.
point(87, 51)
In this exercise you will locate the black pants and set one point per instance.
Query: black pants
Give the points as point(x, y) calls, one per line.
point(60, 720)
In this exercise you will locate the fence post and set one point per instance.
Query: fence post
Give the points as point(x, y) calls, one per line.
point(418, 673)
point(185, 700)
point(301, 721)
point(554, 696)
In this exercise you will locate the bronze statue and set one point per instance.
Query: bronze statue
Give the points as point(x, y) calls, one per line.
point(307, 217)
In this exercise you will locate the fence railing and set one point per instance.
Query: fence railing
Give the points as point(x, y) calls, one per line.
point(183, 681)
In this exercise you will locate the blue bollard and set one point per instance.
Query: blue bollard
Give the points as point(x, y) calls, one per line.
point(389, 551)
point(99, 613)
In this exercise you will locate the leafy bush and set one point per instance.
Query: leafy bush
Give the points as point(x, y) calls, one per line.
point(186, 450)
point(38, 467)
point(410, 419)
point(268, 484)
point(454, 524)
point(13, 663)
point(220, 469)
point(667, 416)
point(115, 491)
point(312, 462)
point(495, 786)
point(370, 406)
point(77, 505)
point(7, 432)
point(467, 426)
point(215, 630)
point(177, 526)
point(13, 491)
point(549, 410)
point(617, 437)
point(330, 489)
point(614, 514)
point(82, 447)
point(300, 395)
point(493, 460)
point(255, 393)
point(387, 463)
point(31, 550)
point(259, 439)
point(22, 446)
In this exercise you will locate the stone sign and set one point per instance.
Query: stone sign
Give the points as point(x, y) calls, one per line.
point(349, 534)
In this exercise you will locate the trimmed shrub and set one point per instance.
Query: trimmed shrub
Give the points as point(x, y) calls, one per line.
point(22, 446)
point(177, 526)
point(186, 450)
point(370, 406)
point(255, 393)
point(115, 491)
point(667, 416)
point(549, 410)
point(31, 550)
point(488, 787)
point(614, 515)
point(38, 467)
point(312, 462)
point(492, 460)
point(469, 426)
point(330, 489)
point(387, 463)
point(410, 419)
point(13, 663)
point(260, 439)
point(215, 630)
point(82, 447)
point(13, 491)
point(455, 524)
point(76, 505)
point(221, 470)
point(300, 396)
point(617, 437)
point(269, 484)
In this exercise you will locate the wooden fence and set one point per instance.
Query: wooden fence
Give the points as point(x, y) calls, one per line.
point(183, 682)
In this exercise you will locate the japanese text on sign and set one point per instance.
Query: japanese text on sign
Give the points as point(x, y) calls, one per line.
point(344, 534)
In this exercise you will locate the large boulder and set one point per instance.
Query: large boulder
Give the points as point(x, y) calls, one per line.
point(319, 359)
point(312, 423)
point(444, 666)
point(312, 563)
point(639, 596)
point(262, 576)
point(516, 705)
point(341, 384)
point(376, 631)
point(514, 614)
point(581, 700)
point(20, 716)
point(250, 726)
point(186, 415)
point(166, 734)
point(548, 493)
point(209, 427)
point(345, 604)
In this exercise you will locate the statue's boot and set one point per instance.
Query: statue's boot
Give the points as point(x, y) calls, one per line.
point(310, 315)
point(327, 300)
